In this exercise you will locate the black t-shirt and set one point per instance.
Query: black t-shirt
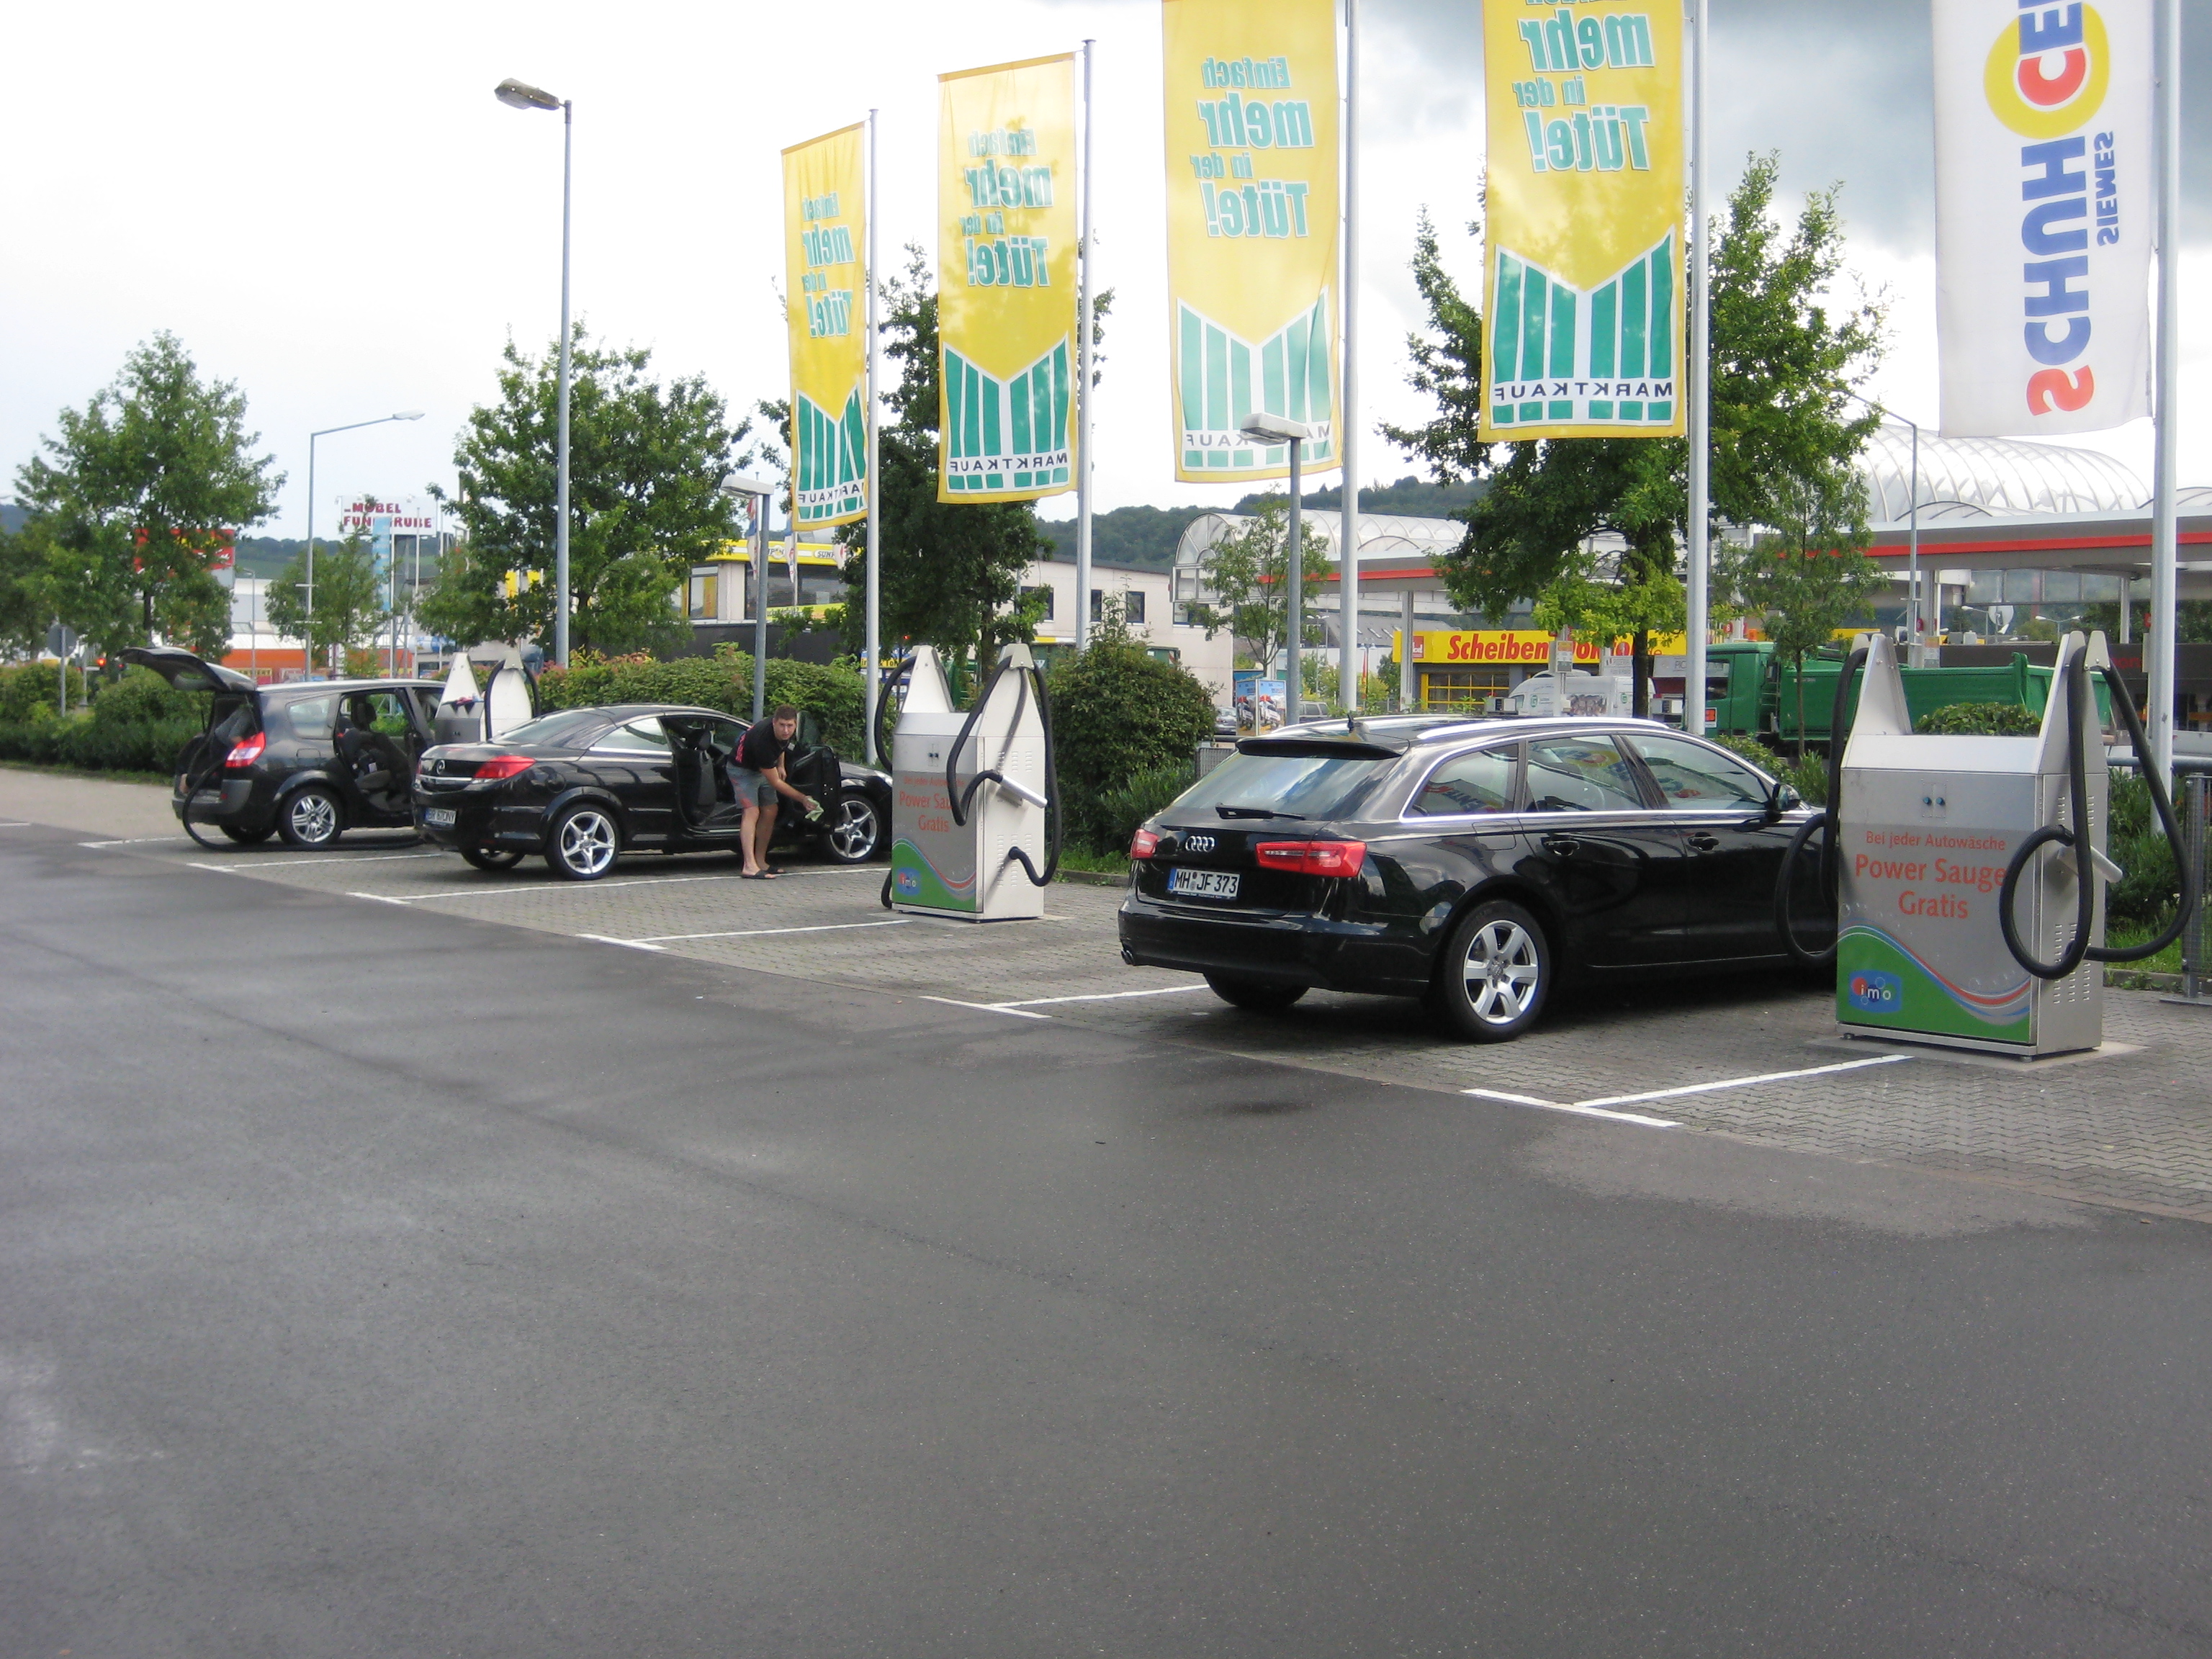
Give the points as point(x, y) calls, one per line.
point(762, 750)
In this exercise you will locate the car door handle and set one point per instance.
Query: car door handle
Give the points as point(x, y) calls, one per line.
point(1564, 847)
point(1705, 843)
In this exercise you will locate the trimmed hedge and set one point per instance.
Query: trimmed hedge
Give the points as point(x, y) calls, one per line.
point(29, 692)
point(1980, 719)
point(1118, 714)
point(834, 694)
point(95, 746)
point(1117, 812)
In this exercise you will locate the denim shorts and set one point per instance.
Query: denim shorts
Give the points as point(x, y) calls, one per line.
point(752, 788)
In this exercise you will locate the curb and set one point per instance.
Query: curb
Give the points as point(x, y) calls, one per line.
point(2130, 979)
point(1094, 878)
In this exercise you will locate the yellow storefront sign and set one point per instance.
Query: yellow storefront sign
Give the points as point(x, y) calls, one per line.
point(1252, 177)
point(1504, 647)
point(1583, 265)
point(824, 229)
point(1007, 280)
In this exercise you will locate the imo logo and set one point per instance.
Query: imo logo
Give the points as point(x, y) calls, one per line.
point(1873, 992)
point(2046, 73)
point(908, 881)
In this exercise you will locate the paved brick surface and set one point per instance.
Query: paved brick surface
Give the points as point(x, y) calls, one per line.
point(2130, 1127)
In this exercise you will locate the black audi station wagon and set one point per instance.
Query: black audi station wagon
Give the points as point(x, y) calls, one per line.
point(307, 760)
point(582, 786)
point(1475, 864)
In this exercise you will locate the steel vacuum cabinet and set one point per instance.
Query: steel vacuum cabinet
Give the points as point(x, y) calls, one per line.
point(974, 807)
point(1969, 873)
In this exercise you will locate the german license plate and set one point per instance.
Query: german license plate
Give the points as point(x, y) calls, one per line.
point(1203, 884)
point(439, 818)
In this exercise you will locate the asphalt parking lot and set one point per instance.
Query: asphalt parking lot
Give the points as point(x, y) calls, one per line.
point(398, 1261)
point(1757, 1059)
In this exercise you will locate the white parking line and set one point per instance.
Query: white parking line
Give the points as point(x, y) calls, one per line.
point(633, 943)
point(136, 841)
point(1096, 996)
point(986, 1007)
point(513, 888)
point(1742, 1082)
point(380, 898)
point(754, 932)
point(1637, 1118)
point(16, 824)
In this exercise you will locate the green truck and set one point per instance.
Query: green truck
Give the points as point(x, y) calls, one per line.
point(1751, 694)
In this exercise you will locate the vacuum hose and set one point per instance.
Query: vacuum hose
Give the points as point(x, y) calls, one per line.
point(194, 782)
point(1827, 818)
point(2079, 838)
point(962, 800)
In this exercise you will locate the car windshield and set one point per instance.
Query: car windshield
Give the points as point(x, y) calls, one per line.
point(568, 727)
point(1288, 785)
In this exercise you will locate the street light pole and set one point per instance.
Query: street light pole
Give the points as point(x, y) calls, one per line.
point(1912, 540)
point(519, 94)
point(760, 490)
point(307, 629)
point(1272, 429)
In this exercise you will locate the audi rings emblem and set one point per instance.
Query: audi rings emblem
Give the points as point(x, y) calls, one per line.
point(1198, 843)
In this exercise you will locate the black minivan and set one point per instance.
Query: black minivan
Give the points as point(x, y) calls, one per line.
point(307, 760)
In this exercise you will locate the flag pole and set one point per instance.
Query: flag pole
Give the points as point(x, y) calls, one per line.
point(875, 641)
point(1084, 291)
point(1699, 373)
point(1347, 535)
point(2159, 639)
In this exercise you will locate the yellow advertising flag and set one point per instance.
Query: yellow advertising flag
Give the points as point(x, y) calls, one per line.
point(824, 228)
point(1252, 230)
point(1583, 268)
point(1007, 280)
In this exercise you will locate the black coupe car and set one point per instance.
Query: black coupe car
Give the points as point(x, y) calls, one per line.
point(1475, 863)
point(307, 760)
point(583, 786)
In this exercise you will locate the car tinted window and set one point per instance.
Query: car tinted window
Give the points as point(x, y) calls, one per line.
point(637, 734)
point(311, 717)
point(1690, 774)
point(1581, 774)
point(570, 726)
point(1480, 782)
point(1308, 786)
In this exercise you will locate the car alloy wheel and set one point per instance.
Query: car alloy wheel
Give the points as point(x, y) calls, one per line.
point(854, 830)
point(1497, 974)
point(583, 844)
point(312, 817)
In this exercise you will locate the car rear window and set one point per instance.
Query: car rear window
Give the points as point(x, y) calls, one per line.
point(570, 727)
point(1304, 784)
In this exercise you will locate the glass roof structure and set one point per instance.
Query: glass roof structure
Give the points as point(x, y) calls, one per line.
point(1991, 478)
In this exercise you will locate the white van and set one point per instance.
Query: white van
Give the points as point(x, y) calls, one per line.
point(1584, 693)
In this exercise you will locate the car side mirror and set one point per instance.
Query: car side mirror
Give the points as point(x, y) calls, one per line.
point(1784, 799)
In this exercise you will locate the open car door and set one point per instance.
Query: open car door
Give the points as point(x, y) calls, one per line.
point(813, 765)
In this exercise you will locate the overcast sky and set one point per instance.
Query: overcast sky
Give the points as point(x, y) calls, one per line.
point(326, 205)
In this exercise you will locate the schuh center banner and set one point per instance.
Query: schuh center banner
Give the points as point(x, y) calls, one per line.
point(1252, 230)
point(2044, 174)
point(1007, 280)
point(826, 304)
point(1583, 278)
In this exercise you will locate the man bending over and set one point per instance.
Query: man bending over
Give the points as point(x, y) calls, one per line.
point(757, 771)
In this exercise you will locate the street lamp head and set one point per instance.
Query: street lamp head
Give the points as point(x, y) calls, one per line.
point(520, 95)
point(409, 415)
point(749, 484)
point(1275, 428)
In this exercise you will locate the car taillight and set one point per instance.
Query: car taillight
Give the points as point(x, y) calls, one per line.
point(246, 751)
point(503, 766)
point(1312, 857)
point(1142, 843)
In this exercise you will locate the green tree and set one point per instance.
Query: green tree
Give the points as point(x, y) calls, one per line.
point(350, 599)
point(132, 504)
point(1811, 575)
point(1119, 712)
point(952, 570)
point(646, 461)
point(1782, 363)
point(22, 621)
point(1248, 574)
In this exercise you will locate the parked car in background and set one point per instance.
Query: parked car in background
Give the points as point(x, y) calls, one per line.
point(307, 760)
point(583, 786)
point(1477, 864)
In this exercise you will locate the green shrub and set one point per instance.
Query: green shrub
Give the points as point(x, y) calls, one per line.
point(831, 694)
point(2144, 898)
point(1980, 719)
point(96, 746)
point(141, 697)
point(1117, 812)
point(1753, 750)
point(1118, 712)
point(29, 692)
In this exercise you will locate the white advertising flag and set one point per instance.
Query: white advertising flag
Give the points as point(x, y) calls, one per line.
point(2044, 176)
